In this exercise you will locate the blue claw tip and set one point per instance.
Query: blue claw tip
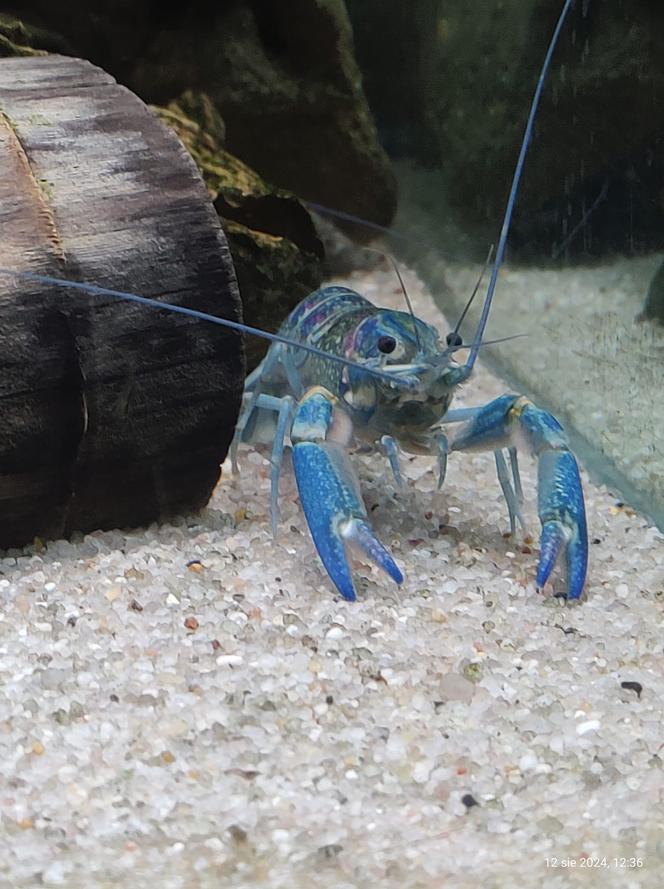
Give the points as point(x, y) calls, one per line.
point(577, 566)
point(346, 590)
point(551, 544)
point(360, 533)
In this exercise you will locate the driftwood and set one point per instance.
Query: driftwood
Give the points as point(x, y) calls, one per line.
point(112, 414)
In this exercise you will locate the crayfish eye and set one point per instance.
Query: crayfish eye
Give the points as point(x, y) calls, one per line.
point(454, 339)
point(386, 344)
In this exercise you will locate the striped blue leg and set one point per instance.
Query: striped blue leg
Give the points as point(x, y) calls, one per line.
point(513, 496)
point(248, 403)
point(391, 451)
point(513, 506)
point(461, 414)
point(284, 410)
point(284, 420)
point(510, 420)
point(252, 389)
point(516, 475)
point(277, 368)
point(442, 450)
point(329, 490)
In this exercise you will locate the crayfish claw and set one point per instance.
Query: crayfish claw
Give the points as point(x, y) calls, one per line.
point(358, 532)
point(334, 511)
point(552, 543)
point(562, 514)
point(577, 564)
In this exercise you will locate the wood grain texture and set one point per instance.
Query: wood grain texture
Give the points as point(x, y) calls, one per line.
point(112, 414)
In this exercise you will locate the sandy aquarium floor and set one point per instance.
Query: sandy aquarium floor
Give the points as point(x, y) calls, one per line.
point(191, 705)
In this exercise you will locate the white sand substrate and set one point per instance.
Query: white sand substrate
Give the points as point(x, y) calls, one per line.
point(192, 705)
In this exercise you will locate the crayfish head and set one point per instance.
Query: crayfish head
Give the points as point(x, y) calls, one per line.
point(417, 374)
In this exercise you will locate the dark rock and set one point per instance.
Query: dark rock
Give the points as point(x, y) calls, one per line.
point(238, 834)
point(238, 192)
point(273, 275)
point(632, 685)
point(283, 75)
point(198, 108)
point(14, 39)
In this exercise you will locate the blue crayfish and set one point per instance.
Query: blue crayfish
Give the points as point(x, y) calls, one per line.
point(391, 387)
point(324, 407)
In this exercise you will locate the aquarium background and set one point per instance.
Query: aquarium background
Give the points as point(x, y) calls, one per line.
point(450, 85)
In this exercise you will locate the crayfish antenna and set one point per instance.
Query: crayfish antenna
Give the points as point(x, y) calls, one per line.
point(557, 251)
point(516, 181)
point(358, 220)
point(453, 339)
point(96, 290)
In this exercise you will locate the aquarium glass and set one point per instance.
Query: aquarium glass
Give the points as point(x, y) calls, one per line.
point(450, 84)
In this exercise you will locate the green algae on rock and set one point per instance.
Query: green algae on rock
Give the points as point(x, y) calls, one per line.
point(275, 248)
point(18, 39)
